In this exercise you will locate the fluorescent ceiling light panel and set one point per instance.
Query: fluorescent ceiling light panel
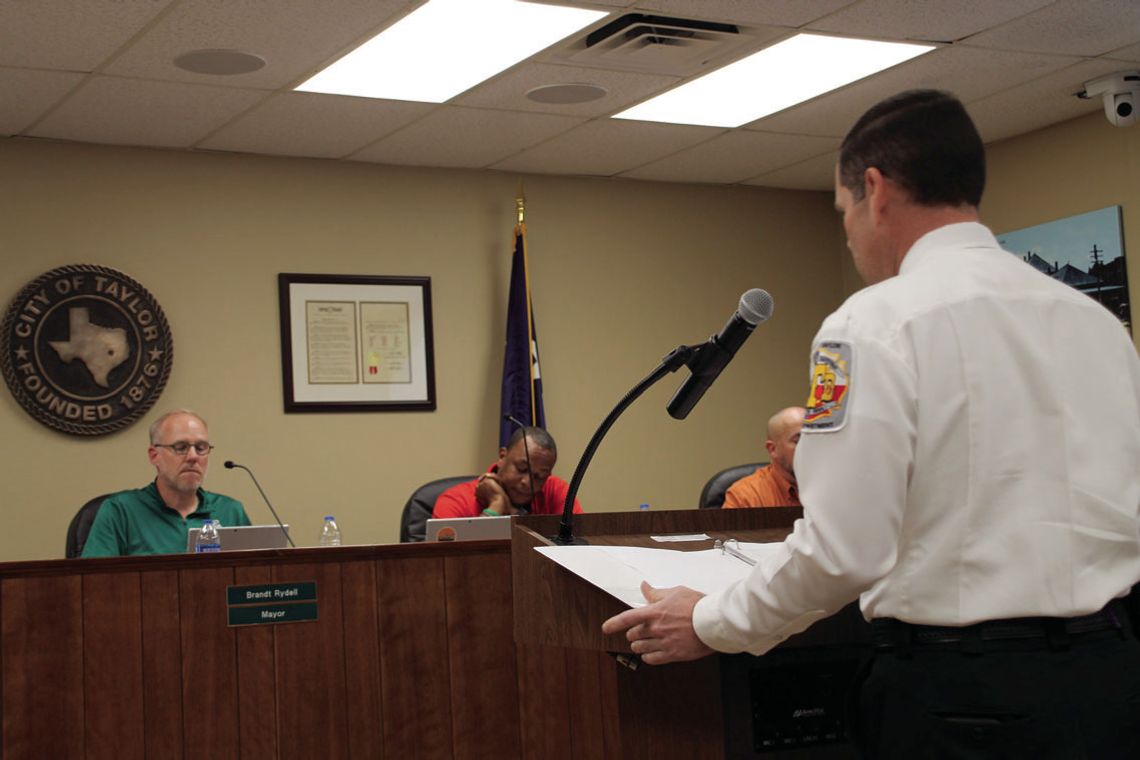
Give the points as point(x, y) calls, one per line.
point(446, 47)
point(773, 79)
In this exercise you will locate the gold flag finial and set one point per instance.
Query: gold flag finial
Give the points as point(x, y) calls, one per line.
point(520, 204)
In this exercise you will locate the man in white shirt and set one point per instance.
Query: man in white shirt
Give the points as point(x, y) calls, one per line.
point(968, 469)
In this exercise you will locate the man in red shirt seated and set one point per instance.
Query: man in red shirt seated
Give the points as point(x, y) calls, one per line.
point(774, 485)
point(511, 486)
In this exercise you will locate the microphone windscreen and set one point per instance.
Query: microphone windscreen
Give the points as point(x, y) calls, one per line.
point(229, 464)
point(756, 305)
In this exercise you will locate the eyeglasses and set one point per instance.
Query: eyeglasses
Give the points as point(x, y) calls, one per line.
point(182, 448)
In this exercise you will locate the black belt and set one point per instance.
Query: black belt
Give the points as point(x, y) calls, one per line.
point(891, 634)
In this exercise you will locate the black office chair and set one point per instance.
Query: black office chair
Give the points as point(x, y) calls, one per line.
point(81, 525)
point(712, 495)
point(418, 509)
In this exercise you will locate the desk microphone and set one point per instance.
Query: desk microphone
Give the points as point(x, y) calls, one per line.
point(229, 465)
point(705, 362)
point(715, 354)
point(526, 450)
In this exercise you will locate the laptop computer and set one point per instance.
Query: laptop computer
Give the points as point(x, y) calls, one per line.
point(467, 528)
point(239, 538)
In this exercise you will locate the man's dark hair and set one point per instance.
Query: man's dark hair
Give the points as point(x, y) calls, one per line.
point(922, 139)
point(540, 437)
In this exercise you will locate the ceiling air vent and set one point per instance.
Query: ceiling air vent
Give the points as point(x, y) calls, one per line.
point(658, 44)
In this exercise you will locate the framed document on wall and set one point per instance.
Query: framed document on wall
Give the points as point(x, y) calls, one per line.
point(356, 343)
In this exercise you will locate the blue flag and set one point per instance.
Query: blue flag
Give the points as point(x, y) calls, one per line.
point(522, 385)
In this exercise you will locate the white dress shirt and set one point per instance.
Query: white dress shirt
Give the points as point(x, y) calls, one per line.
point(987, 465)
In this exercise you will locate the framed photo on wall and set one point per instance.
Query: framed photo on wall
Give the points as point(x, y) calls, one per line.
point(356, 343)
point(1085, 251)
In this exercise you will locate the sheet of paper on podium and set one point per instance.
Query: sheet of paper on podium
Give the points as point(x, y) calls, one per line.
point(619, 570)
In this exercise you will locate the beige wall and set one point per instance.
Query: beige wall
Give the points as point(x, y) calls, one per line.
point(622, 272)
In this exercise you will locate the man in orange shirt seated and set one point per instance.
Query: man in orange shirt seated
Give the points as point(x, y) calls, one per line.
point(511, 485)
point(774, 485)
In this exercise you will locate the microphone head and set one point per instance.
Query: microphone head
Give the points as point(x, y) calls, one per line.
point(756, 305)
point(229, 465)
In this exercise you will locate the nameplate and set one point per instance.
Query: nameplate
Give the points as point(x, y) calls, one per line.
point(270, 604)
point(305, 591)
point(270, 614)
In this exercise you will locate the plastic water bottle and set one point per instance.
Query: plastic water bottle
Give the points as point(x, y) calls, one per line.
point(330, 533)
point(210, 539)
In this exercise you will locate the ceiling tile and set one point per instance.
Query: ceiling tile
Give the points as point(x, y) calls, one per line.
point(27, 94)
point(315, 125)
point(465, 137)
point(508, 92)
point(56, 57)
point(779, 12)
point(968, 73)
point(64, 34)
point(138, 112)
point(1045, 101)
point(733, 157)
point(910, 20)
point(1130, 54)
point(816, 173)
point(600, 4)
point(1073, 27)
point(606, 147)
point(295, 38)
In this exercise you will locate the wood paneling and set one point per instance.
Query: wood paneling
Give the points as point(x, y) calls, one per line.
point(133, 657)
point(672, 711)
point(543, 696)
point(413, 655)
point(209, 662)
point(113, 679)
point(480, 635)
point(41, 632)
point(583, 701)
point(311, 696)
point(256, 677)
point(364, 710)
point(162, 656)
point(414, 668)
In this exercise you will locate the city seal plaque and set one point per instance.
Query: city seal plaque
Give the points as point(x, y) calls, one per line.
point(85, 349)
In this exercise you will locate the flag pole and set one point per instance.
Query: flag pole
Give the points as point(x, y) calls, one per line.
point(520, 230)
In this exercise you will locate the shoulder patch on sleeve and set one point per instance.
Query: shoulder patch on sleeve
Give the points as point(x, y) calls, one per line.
point(830, 387)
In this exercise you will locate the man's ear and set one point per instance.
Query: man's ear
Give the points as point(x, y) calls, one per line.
point(771, 446)
point(502, 453)
point(877, 193)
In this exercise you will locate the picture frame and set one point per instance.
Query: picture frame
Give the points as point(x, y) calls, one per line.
point(356, 343)
point(1085, 251)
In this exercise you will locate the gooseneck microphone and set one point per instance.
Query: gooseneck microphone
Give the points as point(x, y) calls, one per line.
point(526, 450)
point(229, 465)
point(704, 361)
point(714, 355)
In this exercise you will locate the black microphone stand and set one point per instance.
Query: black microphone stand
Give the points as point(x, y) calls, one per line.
point(229, 465)
point(677, 358)
point(526, 451)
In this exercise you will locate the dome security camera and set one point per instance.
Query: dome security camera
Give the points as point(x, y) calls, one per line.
point(1121, 93)
point(1120, 108)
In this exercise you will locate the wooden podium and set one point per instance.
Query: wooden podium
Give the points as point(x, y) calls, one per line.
point(701, 709)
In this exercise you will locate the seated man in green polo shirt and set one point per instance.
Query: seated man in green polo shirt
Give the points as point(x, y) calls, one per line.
point(156, 519)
